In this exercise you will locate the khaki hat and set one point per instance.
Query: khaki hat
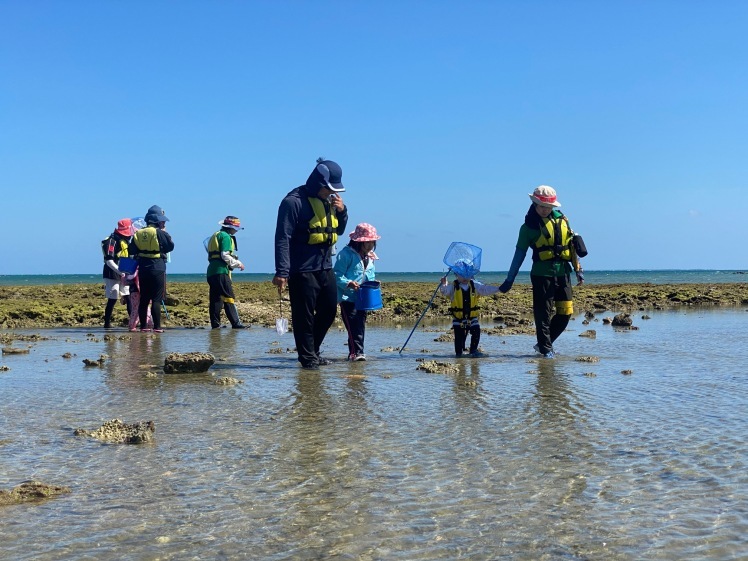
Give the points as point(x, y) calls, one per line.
point(544, 196)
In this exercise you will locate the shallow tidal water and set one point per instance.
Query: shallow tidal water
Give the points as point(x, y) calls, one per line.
point(514, 457)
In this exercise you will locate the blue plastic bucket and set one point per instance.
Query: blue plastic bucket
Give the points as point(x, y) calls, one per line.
point(368, 296)
point(127, 265)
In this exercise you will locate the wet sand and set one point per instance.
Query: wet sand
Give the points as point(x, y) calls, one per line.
point(82, 305)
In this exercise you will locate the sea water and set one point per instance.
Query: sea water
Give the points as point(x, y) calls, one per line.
point(642, 455)
point(655, 276)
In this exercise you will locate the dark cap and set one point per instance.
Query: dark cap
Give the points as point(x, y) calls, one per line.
point(332, 174)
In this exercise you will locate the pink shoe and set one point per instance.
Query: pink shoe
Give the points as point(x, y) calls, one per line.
point(133, 329)
point(158, 330)
point(146, 330)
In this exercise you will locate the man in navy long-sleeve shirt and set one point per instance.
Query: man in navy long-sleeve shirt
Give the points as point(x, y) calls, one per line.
point(310, 219)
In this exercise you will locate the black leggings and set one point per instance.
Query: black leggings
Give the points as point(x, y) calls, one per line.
point(355, 323)
point(152, 286)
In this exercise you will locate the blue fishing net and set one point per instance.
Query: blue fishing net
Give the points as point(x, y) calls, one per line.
point(463, 259)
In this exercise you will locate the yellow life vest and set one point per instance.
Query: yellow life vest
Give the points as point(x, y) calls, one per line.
point(458, 307)
point(146, 240)
point(214, 248)
point(323, 227)
point(547, 247)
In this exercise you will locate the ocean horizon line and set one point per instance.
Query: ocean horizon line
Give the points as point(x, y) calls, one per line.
point(739, 271)
point(600, 276)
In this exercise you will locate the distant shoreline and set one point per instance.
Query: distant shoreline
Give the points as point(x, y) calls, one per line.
point(82, 305)
point(593, 277)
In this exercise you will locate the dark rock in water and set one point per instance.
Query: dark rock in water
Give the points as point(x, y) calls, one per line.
point(627, 372)
point(591, 333)
point(119, 432)
point(645, 316)
point(188, 362)
point(622, 320)
point(99, 362)
point(589, 315)
point(607, 321)
point(31, 491)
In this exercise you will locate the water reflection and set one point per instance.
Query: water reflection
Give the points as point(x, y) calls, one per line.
point(377, 460)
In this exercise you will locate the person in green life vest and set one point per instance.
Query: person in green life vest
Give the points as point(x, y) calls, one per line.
point(546, 230)
point(222, 260)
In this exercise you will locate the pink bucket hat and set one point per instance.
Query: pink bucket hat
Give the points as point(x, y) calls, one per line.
point(364, 233)
point(544, 196)
point(124, 227)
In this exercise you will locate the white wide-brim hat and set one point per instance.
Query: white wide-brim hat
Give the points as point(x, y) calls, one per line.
point(544, 196)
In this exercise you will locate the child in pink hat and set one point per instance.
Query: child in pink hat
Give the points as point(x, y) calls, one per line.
point(354, 266)
point(114, 247)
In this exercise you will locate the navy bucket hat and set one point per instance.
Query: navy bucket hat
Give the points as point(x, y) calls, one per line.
point(155, 214)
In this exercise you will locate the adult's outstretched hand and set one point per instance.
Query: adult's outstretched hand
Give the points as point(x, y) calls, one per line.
point(505, 286)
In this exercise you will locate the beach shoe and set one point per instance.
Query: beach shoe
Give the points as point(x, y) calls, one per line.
point(549, 354)
point(359, 357)
point(323, 361)
point(239, 326)
point(133, 329)
point(537, 350)
point(159, 330)
point(310, 366)
point(478, 354)
point(146, 330)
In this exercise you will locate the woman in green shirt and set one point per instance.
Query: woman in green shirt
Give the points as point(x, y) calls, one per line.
point(546, 230)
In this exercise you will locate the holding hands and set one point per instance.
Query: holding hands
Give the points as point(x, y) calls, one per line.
point(505, 286)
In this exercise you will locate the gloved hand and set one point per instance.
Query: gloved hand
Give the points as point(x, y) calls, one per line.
point(505, 286)
point(580, 277)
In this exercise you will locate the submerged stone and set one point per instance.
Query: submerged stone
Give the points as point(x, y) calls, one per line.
point(31, 491)
point(435, 367)
point(622, 320)
point(188, 362)
point(119, 432)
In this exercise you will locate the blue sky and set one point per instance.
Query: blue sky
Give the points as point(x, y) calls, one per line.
point(443, 115)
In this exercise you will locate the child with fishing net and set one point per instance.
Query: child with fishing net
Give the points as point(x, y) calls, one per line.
point(464, 293)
